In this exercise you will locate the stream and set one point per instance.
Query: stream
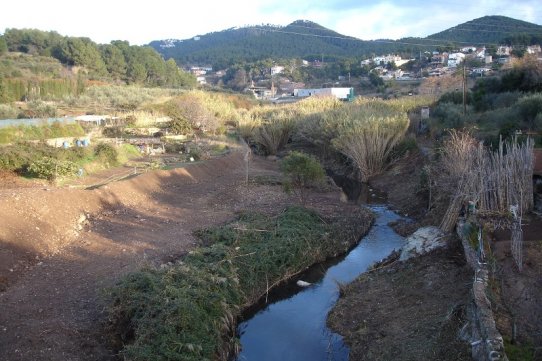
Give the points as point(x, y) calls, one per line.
point(292, 324)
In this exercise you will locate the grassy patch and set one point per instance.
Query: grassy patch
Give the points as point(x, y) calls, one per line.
point(188, 311)
point(519, 352)
point(39, 132)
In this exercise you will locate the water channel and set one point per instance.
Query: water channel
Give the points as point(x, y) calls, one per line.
point(292, 324)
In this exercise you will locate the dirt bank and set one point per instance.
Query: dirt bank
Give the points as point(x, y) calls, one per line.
point(60, 247)
point(410, 310)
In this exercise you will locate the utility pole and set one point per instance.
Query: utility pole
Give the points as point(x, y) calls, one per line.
point(464, 91)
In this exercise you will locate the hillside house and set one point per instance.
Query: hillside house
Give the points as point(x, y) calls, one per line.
point(197, 71)
point(533, 49)
point(438, 60)
point(386, 59)
point(480, 71)
point(454, 59)
point(277, 69)
point(468, 49)
point(503, 50)
point(288, 87)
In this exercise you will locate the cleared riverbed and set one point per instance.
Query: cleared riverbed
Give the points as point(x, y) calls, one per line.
point(294, 328)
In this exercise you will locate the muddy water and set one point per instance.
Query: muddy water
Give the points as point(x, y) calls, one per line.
point(292, 325)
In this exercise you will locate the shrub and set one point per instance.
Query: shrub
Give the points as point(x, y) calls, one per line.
point(39, 109)
point(107, 153)
point(529, 107)
point(17, 157)
point(8, 111)
point(50, 168)
point(408, 144)
point(274, 132)
point(455, 97)
point(247, 125)
point(301, 171)
point(449, 115)
point(367, 134)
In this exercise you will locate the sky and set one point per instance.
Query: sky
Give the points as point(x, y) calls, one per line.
point(140, 22)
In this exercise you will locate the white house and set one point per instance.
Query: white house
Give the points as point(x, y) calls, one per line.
point(533, 49)
point(480, 71)
point(277, 69)
point(503, 50)
point(386, 59)
point(468, 49)
point(454, 59)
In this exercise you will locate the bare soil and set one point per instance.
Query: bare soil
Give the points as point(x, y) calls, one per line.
point(517, 294)
point(60, 247)
point(409, 310)
point(413, 311)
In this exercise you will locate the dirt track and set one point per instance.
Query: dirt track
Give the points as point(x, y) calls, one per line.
point(59, 248)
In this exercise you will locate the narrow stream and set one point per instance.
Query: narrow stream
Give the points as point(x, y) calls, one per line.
point(294, 328)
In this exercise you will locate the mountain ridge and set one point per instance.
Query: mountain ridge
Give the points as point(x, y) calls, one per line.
point(309, 40)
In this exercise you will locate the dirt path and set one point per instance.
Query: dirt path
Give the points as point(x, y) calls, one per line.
point(59, 248)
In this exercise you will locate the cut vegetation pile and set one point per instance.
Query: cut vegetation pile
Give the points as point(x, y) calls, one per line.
point(188, 310)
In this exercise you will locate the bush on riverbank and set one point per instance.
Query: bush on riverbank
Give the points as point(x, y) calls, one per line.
point(188, 310)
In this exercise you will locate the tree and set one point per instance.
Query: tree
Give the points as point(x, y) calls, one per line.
point(114, 61)
point(238, 79)
point(81, 52)
point(302, 171)
point(3, 45)
point(375, 79)
point(136, 73)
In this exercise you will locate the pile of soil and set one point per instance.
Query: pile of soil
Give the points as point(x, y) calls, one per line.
point(60, 247)
point(409, 310)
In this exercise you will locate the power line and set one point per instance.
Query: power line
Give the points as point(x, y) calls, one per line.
point(378, 40)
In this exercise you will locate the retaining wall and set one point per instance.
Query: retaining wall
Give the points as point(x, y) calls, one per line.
point(486, 341)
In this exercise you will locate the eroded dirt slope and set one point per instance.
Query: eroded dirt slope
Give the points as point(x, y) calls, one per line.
point(59, 248)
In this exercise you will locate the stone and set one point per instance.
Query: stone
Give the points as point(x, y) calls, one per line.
point(422, 241)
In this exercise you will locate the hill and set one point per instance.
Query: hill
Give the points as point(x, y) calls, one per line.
point(308, 40)
point(300, 39)
point(492, 30)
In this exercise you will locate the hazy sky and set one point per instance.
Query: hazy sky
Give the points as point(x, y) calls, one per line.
point(143, 21)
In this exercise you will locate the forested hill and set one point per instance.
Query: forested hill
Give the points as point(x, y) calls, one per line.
point(115, 62)
point(300, 39)
point(493, 30)
point(308, 40)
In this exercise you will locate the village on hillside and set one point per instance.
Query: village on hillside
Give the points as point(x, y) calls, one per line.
point(274, 84)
